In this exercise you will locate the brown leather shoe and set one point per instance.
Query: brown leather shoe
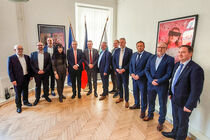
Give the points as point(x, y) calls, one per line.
point(119, 100)
point(147, 118)
point(102, 98)
point(160, 127)
point(126, 104)
point(134, 107)
point(142, 115)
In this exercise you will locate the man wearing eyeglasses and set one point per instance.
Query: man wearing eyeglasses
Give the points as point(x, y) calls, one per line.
point(158, 71)
point(41, 65)
point(19, 70)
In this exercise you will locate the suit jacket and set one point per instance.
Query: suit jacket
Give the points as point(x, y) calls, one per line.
point(71, 61)
point(15, 70)
point(55, 49)
point(35, 64)
point(112, 58)
point(94, 57)
point(189, 85)
point(126, 59)
point(163, 72)
point(104, 66)
point(139, 68)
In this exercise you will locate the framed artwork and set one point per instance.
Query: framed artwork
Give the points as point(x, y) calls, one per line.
point(57, 32)
point(177, 32)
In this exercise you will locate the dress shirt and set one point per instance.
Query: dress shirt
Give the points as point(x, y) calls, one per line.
point(23, 63)
point(158, 60)
point(41, 60)
point(122, 52)
point(99, 59)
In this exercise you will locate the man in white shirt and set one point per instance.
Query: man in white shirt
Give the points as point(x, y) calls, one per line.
point(19, 70)
point(41, 65)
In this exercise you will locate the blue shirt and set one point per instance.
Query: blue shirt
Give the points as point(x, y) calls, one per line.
point(99, 59)
point(158, 60)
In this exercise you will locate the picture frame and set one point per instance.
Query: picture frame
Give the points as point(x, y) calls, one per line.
point(176, 32)
point(57, 32)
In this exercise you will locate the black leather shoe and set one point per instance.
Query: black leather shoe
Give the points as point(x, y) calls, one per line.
point(60, 100)
point(53, 93)
point(36, 102)
point(63, 97)
point(169, 134)
point(112, 91)
point(135, 107)
point(73, 96)
point(79, 96)
point(28, 104)
point(43, 96)
point(48, 99)
point(115, 95)
point(19, 110)
point(95, 94)
point(89, 92)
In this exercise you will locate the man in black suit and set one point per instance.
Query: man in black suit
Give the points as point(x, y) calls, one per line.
point(104, 67)
point(91, 59)
point(121, 63)
point(75, 58)
point(51, 50)
point(185, 90)
point(41, 64)
point(115, 90)
point(19, 70)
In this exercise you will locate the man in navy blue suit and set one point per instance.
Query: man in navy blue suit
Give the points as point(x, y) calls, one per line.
point(75, 58)
point(41, 64)
point(185, 89)
point(158, 71)
point(51, 50)
point(19, 70)
point(121, 63)
point(104, 61)
point(137, 67)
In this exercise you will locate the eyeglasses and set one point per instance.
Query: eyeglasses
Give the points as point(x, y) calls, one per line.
point(39, 45)
point(20, 49)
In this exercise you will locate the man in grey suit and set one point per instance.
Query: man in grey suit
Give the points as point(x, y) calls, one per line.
point(91, 60)
point(112, 71)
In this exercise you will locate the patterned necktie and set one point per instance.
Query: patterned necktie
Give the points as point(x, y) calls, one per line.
point(176, 77)
point(91, 60)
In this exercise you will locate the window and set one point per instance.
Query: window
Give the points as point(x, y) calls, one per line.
point(95, 20)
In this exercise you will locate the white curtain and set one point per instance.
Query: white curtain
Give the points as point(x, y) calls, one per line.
point(95, 19)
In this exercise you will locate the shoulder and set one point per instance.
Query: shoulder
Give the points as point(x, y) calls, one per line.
point(130, 50)
point(196, 66)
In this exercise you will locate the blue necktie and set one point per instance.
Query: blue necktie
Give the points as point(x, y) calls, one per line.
point(138, 57)
point(176, 77)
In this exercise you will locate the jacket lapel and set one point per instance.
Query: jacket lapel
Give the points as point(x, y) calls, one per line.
point(187, 67)
point(162, 61)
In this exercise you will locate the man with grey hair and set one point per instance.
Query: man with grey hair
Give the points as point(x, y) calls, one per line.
point(19, 70)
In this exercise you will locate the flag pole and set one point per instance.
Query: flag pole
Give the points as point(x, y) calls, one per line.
point(103, 32)
point(71, 28)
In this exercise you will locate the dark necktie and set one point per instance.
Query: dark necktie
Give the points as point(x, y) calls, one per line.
point(91, 60)
point(137, 58)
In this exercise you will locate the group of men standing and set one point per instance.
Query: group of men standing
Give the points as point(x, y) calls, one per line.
point(152, 75)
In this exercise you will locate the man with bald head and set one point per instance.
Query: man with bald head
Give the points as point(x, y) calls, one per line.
point(19, 70)
point(41, 65)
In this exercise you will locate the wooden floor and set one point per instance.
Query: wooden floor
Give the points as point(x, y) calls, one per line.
point(77, 119)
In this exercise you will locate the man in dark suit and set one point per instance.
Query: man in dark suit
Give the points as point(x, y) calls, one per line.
point(115, 90)
point(91, 59)
point(75, 58)
point(51, 50)
point(185, 89)
point(137, 67)
point(158, 71)
point(19, 70)
point(104, 67)
point(121, 66)
point(41, 65)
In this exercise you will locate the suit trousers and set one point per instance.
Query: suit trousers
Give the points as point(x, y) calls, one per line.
point(123, 81)
point(140, 91)
point(41, 79)
point(76, 76)
point(114, 79)
point(22, 89)
point(162, 92)
point(180, 121)
point(92, 74)
point(105, 82)
point(52, 80)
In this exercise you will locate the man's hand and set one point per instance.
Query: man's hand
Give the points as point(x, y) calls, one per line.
point(133, 76)
point(31, 78)
point(170, 97)
point(90, 66)
point(56, 76)
point(186, 110)
point(118, 70)
point(154, 82)
point(136, 77)
point(75, 67)
point(14, 83)
point(105, 74)
point(40, 72)
point(122, 70)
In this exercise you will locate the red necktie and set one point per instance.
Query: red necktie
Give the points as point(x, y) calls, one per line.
point(75, 56)
point(91, 60)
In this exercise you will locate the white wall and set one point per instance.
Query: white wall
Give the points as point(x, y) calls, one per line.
point(19, 25)
point(138, 20)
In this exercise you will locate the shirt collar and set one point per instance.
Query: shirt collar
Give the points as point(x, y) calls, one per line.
point(20, 56)
point(161, 56)
point(186, 62)
point(40, 52)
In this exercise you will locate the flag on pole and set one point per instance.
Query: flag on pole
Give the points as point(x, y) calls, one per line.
point(69, 46)
point(84, 79)
point(104, 36)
